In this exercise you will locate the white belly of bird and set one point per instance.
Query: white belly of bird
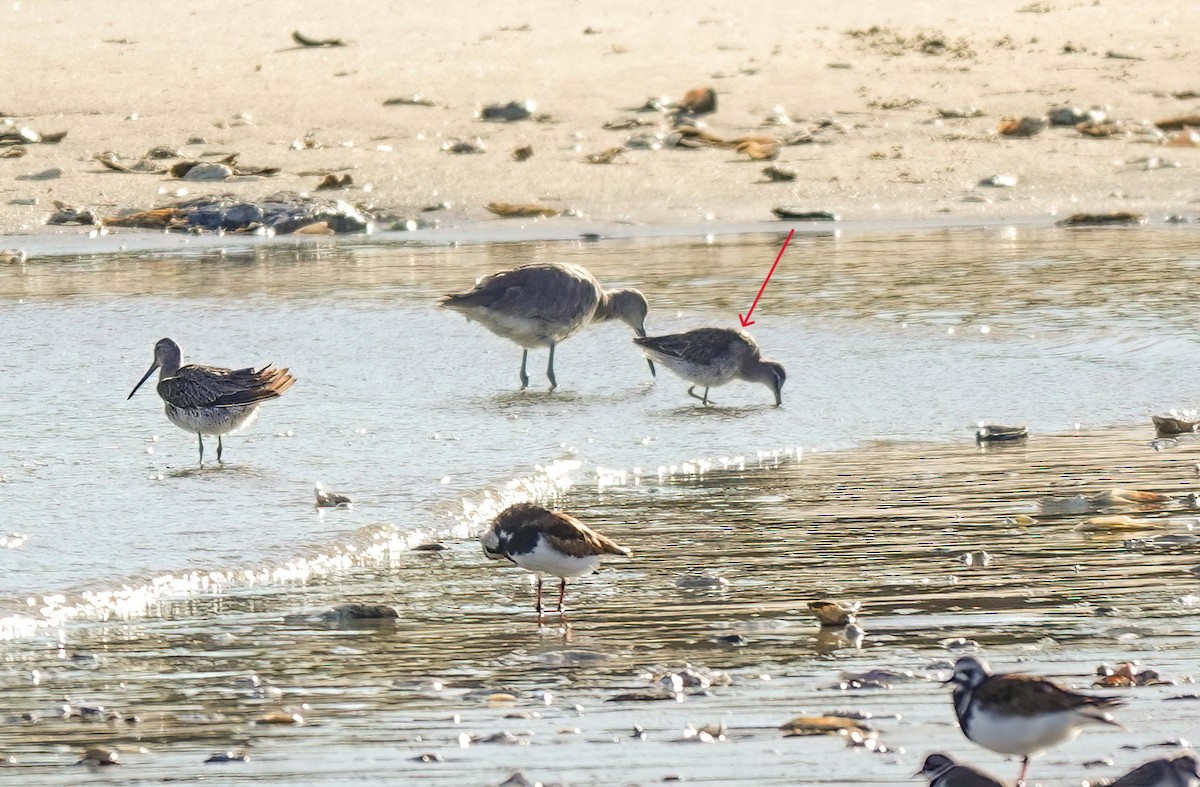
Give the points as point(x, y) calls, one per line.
point(212, 420)
point(546, 560)
point(1025, 735)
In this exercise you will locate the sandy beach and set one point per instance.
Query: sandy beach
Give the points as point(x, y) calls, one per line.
point(861, 88)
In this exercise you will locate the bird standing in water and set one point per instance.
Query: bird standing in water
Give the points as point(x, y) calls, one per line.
point(547, 542)
point(208, 399)
point(712, 357)
point(543, 304)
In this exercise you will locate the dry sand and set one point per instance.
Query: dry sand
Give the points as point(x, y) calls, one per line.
point(126, 76)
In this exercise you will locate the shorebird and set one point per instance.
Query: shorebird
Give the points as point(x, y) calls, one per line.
point(1021, 714)
point(547, 542)
point(1181, 771)
point(208, 399)
point(942, 771)
point(712, 357)
point(541, 305)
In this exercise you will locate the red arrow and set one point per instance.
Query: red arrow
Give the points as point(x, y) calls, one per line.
point(746, 321)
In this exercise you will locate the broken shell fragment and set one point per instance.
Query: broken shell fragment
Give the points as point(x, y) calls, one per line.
point(1025, 127)
point(507, 113)
point(698, 101)
point(523, 153)
point(758, 151)
point(304, 40)
point(800, 214)
point(509, 210)
point(823, 725)
point(605, 156)
point(1117, 524)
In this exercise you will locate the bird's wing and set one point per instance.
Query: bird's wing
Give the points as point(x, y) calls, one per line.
point(209, 386)
point(700, 346)
point(574, 538)
point(1027, 695)
point(554, 293)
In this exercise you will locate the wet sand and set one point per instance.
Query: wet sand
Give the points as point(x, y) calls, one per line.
point(866, 82)
point(585, 705)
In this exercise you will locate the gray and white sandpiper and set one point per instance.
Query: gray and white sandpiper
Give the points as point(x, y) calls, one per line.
point(547, 542)
point(542, 304)
point(1180, 771)
point(1021, 714)
point(208, 399)
point(710, 357)
point(942, 771)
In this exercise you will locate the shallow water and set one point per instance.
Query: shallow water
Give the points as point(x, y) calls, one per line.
point(413, 413)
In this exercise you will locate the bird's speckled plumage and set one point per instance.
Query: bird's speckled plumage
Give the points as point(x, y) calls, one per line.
point(1180, 771)
point(1021, 714)
point(209, 399)
point(542, 304)
point(714, 356)
point(547, 542)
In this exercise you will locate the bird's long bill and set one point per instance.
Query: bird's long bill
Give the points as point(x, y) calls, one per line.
point(145, 377)
point(641, 332)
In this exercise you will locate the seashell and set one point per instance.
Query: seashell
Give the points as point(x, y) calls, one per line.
point(1178, 122)
point(507, 113)
point(53, 173)
point(499, 699)
point(1119, 495)
point(163, 151)
point(511, 210)
point(141, 166)
point(758, 151)
point(427, 757)
point(201, 170)
point(304, 40)
point(800, 214)
point(1020, 519)
point(606, 156)
point(978, 557)
point(991, 433)
point(834, 613)
point(999, 181)
point(12, 256)
point(100, 756)
point(315, 228)
point(778, 174)
point(1116, 218)
point(227, 756)
point(823, 725)
point(644, 142)
point(415, 100)
point(1187, 138)
point(1116, 524)
point(280, 717)
point(464, 146)
point(698, 101)
point(331, 181)
point(14, 152)
point(1025, 127)
point(523, 153)
point(65, 214)
point(625, 124)
point(956, 113)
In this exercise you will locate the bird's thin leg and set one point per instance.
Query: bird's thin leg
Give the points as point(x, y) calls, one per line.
point(550, 370)
point(201, 438)
point(524, 376)
point(539, 598)
point(705, 399)
point(1024, 767)
point(219, 447)
point(692, 393)
point(562, 594)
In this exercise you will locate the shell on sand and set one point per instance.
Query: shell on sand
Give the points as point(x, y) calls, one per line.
point(511, 210)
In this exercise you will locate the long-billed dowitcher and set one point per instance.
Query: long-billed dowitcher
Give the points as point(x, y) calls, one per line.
point(208, 399)
point(540, 305)
point(547, 542)
point(1021, 714)
point(1181, 771)
point(942, 771)
point(712, 357)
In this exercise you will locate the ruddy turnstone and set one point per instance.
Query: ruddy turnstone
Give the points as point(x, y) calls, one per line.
point(208, 399)
point(1021, 714)
point(1180, 771)
point(540, 305)
point(942, 771)
point(714, 356)
point(547, 542)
